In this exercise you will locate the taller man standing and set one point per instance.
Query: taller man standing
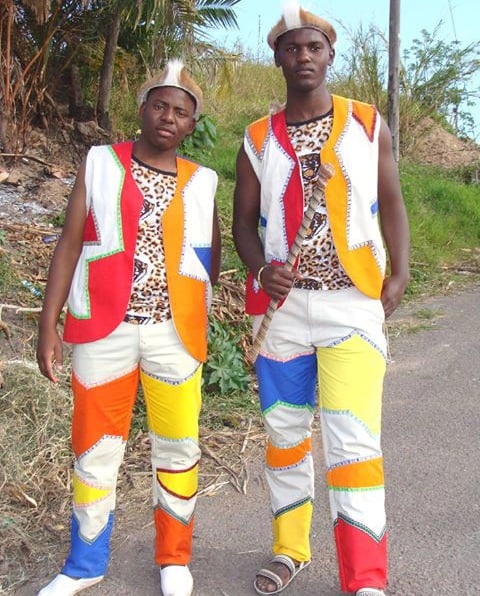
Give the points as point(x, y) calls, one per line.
point(329, 327)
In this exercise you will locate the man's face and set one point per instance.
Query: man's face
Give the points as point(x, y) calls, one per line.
point(167, 117)
point(304, 56)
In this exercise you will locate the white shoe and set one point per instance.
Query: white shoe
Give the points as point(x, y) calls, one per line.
point(369, 592)
point(63, 585)
point(176, 580)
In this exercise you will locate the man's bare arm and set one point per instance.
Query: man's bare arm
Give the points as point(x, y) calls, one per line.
point(394, 224)
point(62, 267)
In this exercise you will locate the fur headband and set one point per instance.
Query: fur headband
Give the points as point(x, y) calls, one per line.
point(174, 75)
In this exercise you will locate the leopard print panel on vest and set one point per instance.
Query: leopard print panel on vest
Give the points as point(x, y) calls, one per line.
point(318, 262)
point(149, 301)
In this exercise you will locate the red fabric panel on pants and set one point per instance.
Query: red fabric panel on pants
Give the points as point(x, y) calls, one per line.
point(102, 410)
point(173, 543)
point(362, 560)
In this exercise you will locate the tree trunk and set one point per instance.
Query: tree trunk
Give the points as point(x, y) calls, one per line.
point(6, 110)
point(393, 77)
point(4, 145)
point(106, 72)
point(76, 90)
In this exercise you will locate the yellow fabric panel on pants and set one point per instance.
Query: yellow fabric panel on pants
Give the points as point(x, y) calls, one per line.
point(290, 530)
point(173, 408)
point(351, 378)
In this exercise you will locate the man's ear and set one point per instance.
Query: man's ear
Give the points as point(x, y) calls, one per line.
point(276, 58)
point(332, 56)
point(193, 124)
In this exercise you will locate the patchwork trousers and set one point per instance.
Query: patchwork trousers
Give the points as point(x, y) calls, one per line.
point(106, 374)
point(332, 341)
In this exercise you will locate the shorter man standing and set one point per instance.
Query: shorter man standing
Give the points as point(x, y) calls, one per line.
point(329, 326)
point(138, 254)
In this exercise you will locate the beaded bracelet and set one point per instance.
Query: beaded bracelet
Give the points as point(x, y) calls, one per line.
point(259, 273)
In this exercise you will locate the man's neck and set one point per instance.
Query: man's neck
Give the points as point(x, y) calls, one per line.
point(307, 106)
point(160, 160)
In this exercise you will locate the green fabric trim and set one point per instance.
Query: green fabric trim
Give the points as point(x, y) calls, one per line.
point(287, 405)
point(292, 506)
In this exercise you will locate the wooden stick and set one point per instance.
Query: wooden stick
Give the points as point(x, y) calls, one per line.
point(27, 157)
point(19, 309)
point(315, 200)
point(244, 446)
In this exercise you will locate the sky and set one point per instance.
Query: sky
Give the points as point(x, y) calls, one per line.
point(459, 22)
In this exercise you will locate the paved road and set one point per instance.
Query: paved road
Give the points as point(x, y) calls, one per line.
point(431, 440)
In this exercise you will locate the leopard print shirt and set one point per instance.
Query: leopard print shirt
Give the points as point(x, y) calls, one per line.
point(318, 262)
point(149, 301)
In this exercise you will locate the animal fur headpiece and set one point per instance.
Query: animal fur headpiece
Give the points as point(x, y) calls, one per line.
point(174, 75)
point(295, 17)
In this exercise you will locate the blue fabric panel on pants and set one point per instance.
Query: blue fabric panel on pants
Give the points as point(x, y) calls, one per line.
point(88, 559)
point(292, 382)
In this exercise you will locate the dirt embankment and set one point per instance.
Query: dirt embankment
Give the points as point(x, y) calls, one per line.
point(436, 146)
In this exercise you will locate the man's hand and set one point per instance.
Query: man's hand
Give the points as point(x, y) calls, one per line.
point(392, 292)
point(50, 353)
point(277, 281)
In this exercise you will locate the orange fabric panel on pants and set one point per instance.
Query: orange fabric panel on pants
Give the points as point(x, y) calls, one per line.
point(174, 535)
point(280, 458)
point(362, 474)
point(102, 410)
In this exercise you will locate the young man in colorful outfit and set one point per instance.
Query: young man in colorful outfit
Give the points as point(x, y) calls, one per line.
point(329, 326)
point(139, 252)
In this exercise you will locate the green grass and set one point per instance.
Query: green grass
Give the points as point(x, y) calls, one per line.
point(8, 279)
point(219, 411)
point(444, 216)
point(427, 314)
point(10, 282)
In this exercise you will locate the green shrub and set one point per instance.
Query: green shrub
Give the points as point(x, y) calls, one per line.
point(202, 140)
point(225, 369)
